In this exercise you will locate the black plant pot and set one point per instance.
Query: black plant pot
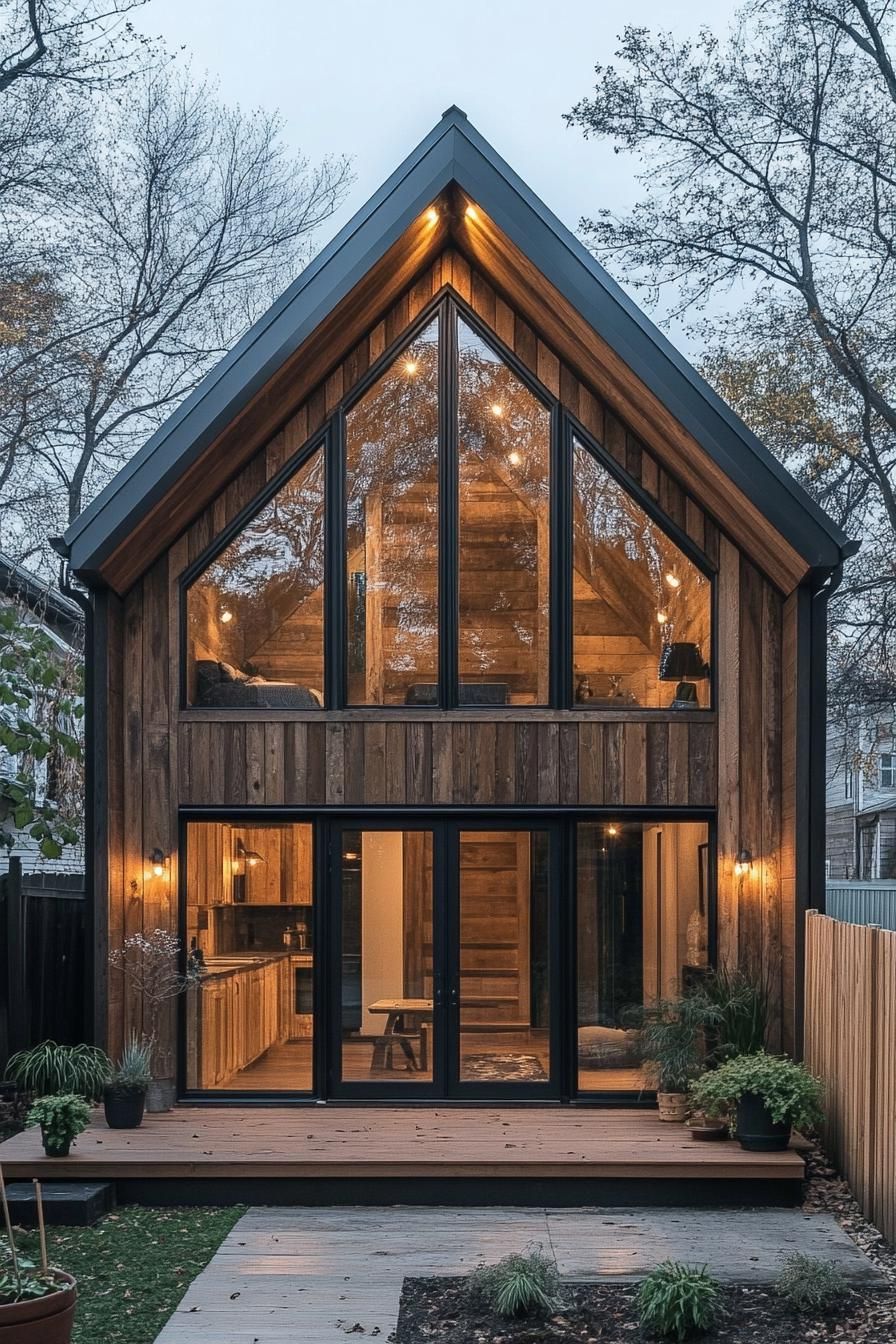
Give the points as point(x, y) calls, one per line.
point(757, 1132)
point(124, 1107)
point(55, 1149)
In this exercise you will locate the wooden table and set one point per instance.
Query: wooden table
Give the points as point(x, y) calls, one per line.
point(397, 1032)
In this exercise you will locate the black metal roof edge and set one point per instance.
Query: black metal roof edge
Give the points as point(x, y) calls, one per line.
point(454, 152)
point(41, 597)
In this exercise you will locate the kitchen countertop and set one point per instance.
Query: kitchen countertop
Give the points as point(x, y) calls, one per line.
point(218, 967)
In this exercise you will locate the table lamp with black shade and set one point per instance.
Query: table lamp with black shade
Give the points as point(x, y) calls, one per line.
point(683, 663)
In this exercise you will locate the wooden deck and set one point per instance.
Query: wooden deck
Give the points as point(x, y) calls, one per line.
point(392, 1147)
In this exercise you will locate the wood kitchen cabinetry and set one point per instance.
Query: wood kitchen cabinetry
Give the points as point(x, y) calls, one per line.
point(238, 1018)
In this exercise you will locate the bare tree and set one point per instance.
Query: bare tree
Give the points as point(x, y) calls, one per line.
point(769, 166)
point(182, 219)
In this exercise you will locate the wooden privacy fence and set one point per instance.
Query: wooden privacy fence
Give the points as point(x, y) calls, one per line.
point(850, 1041)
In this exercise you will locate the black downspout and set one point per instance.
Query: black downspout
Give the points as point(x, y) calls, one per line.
point(86, 604)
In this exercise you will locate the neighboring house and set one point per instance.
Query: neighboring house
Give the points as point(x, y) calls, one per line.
point(861, 799)
point(459, 673)
point(63, 622)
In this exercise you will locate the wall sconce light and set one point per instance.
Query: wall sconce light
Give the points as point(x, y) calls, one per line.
point(612, 830)
point(743, 864)
point(432, 215)
point(471, 212)
point(226, 615)
point(159, 862)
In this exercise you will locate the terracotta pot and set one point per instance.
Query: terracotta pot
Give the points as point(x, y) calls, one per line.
point(757, 1132)
point(41, 1320)
point(160, 1095)
point(673, 1106)
point(123, 1107)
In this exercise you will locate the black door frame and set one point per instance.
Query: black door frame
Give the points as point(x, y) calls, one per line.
point(563, 1000)
point(446, 1084)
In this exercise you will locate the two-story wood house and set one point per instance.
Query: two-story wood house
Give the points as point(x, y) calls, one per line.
point(458, 673)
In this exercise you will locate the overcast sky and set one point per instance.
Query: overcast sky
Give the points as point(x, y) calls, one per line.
point(370, 79)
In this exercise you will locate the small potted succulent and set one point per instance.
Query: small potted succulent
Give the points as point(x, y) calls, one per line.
point(671, 1044)
point(124, 1095)
point(771, 1094)
point(61, 1118)
point(37, 1303)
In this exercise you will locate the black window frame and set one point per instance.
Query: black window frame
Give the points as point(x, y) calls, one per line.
point(448, 306)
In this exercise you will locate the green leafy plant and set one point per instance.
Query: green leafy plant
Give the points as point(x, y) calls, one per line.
point(671, 1040)
point(61, 1119)
point(48, 1068)
point(678, 1300)
point(790, 1092)
point(41, 727)
point(809, 1285)
point(134, 1069)
point(24, 1281)
point(522, 1284)
point(736, 1006)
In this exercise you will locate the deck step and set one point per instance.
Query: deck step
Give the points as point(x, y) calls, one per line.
point(66, 1203)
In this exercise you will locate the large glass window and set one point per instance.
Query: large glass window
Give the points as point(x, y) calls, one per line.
point(642, 900)
point(504, 441)
point(250, 1009)
point(255, 631)
point(392, 531)
point(641, 608)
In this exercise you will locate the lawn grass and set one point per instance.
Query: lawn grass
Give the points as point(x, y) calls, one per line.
point(134, 1266)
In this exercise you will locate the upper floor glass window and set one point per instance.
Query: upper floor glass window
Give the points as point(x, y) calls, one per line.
point(446, 587)
point(255, 616)
point(641, 608)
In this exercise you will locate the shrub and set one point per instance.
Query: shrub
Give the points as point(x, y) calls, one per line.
point(671, 1040)
point(61, 1118)
point(809, 1285)
point(678, 1300)
point(522, 1284)
point(49, 1068)
point(738, 1009)
point(790, 1092)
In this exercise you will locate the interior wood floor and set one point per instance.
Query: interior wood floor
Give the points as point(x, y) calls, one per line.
point(287, 1067)
point(394, 1140)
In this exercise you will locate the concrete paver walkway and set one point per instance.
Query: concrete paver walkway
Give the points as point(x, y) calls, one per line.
point(321, 1275)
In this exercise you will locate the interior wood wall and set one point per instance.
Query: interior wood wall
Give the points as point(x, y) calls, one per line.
point(161, 758)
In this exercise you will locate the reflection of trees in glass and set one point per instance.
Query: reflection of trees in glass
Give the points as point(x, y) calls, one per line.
point(273, 565)
point(503, 451)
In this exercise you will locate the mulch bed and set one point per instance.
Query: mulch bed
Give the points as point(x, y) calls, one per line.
point(442, 1310)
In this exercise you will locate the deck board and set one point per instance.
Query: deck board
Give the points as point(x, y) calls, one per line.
point(395, 1141)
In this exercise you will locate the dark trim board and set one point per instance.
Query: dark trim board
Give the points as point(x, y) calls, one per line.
point(464, 1191)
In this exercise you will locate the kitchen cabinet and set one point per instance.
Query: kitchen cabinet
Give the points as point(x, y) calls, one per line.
point(238, 1017)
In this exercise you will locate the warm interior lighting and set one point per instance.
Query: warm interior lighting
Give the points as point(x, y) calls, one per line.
point(662, 617)
point(410, 367)
point(226, 616)
point(471, 212)
point(743, 864)
point(514, 458)
point(250, 857)
point(158, 861)
point(612, 830)
point(673, 580)
point(497, 410)
point(432, 215)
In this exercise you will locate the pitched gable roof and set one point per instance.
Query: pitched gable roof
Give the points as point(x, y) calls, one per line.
point(454, 156)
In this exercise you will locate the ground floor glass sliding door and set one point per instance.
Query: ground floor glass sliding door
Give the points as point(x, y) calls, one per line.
point(642, 936)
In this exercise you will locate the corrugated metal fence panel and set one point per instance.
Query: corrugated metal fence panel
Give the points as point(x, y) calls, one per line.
point(863, 903)
point(850, 1042)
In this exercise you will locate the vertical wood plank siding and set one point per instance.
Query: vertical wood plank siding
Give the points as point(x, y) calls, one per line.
point(740, 759)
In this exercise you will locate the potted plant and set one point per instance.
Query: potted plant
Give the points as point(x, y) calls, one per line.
point(124, 1095)
point(48, 1068)
point(671, 1044)
point(61, 1118)
point(151, 967)
point(771, 1093)
point(37, 1303)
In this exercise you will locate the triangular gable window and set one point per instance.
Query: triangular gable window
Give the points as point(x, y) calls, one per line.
point(449, 577)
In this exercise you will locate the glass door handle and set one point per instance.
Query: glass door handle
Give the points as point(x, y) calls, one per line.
point(438, 995)
point(452, 997)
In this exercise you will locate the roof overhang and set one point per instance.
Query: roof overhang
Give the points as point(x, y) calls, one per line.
point(530, 255)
